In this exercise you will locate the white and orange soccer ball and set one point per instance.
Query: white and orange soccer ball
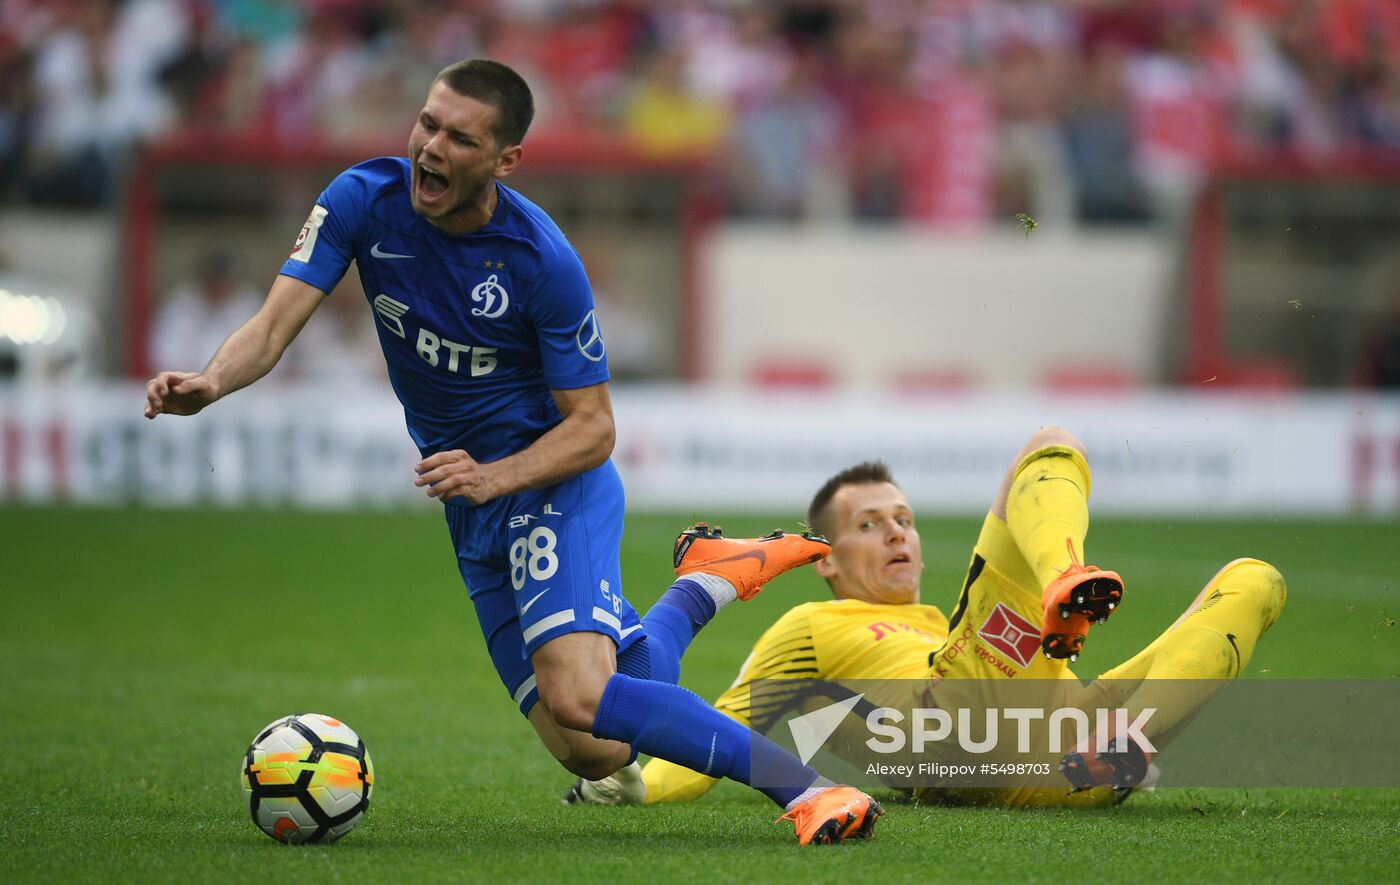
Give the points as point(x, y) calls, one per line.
point(307, 778)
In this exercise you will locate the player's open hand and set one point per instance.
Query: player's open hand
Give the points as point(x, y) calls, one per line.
point(454, 474)
point(179, 393)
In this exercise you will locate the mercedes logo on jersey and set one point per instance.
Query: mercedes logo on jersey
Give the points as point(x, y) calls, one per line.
point(494, 295)
point(590, 337)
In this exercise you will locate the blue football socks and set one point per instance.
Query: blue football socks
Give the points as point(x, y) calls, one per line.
point(672, 623)
point(675, 724)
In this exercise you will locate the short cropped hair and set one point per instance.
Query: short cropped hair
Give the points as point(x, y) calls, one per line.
point(863, 473)
point(497, 85)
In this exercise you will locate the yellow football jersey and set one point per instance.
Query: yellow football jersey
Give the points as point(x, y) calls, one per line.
point(836, 639)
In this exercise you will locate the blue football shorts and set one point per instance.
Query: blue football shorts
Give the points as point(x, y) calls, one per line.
point(543, 563)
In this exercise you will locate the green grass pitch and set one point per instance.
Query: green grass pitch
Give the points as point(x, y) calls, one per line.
point(140, 651)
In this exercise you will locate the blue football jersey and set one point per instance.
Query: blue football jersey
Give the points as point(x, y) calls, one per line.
point(476, 329)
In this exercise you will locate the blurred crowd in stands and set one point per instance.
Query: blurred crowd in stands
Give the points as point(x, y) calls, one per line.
point(943, 111)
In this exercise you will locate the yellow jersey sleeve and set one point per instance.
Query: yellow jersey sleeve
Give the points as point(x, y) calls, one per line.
point(867, 640)
point(785, 651)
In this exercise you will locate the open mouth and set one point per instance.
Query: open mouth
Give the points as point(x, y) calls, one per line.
point(431, 184)
point(900, 559)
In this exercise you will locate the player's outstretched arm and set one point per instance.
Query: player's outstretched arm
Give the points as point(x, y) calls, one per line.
point(582, 441)
point(244, 357)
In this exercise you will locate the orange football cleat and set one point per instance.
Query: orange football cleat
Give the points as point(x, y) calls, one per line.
point(834, 814)
point(1081, 596)
point(747, 563)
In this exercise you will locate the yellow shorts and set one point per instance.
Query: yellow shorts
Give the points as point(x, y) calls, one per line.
point(994, 632)
point(994, 635)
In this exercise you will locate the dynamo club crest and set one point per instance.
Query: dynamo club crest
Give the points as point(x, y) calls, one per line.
point(492, 297)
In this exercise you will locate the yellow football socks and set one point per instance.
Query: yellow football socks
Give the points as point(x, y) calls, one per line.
point(1213, 640)
point(1048, 506)
point(1215, 637)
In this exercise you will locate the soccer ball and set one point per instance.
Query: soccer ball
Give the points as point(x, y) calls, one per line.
point(307, 778)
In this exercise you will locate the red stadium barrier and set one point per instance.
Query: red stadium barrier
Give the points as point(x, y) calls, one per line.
point(1207, 356)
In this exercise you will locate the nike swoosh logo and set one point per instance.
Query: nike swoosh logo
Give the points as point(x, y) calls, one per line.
point(526, 607)
point(1061, 478)
point(1238, 666)
point(629, 631)
point(747, 554)
point(380, 253)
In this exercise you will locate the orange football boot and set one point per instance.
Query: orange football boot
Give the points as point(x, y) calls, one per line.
point(834, 814)
point(1082, 595)
point(747, 563)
